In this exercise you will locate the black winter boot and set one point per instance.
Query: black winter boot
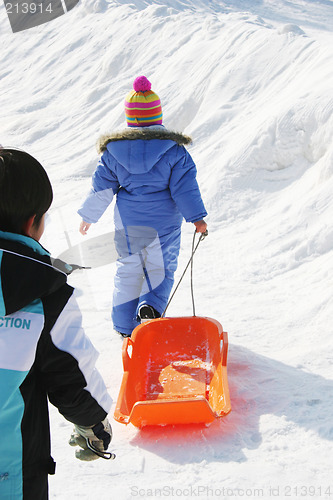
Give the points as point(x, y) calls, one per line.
point(148, 312)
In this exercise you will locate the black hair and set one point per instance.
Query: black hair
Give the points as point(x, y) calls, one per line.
point(25, 190)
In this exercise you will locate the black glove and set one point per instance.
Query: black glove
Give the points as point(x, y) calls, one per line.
point(93, 440)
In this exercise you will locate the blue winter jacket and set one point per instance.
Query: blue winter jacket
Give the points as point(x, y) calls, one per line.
point(153, 176)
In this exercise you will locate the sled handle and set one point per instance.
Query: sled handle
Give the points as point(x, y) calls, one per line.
point(201, 237)
point(125, 354)
point(224, 338)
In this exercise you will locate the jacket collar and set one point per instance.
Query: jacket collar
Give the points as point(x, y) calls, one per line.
point(24, 240)
point(142, 133)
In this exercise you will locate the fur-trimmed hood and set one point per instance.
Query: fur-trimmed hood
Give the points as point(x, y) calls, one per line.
point(145, 134)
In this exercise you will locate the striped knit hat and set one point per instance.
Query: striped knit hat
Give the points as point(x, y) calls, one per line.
point(142, 105)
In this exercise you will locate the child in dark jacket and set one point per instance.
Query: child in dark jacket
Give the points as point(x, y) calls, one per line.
point(154, 178)
point(44, 353)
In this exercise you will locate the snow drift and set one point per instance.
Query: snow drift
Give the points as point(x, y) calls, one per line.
point(251, 82)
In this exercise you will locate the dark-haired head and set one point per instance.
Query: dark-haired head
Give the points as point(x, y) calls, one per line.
point(25, 191)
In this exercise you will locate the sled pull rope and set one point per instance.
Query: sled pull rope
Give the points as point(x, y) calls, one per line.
point(194, 248)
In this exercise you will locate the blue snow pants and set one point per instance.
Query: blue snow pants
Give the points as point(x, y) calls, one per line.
point(144, 275)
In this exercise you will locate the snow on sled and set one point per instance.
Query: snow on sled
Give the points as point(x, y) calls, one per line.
point(175, 372)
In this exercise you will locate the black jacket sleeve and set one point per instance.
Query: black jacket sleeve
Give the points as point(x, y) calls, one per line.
point(66, 358)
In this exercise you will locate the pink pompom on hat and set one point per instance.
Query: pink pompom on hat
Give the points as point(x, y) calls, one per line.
point(142, 106)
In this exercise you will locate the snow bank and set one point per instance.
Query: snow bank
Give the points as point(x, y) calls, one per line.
point(252, 83)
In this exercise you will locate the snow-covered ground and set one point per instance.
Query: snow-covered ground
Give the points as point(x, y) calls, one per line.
point(252, 82)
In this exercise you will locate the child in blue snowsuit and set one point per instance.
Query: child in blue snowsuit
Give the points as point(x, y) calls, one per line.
point(154, 178)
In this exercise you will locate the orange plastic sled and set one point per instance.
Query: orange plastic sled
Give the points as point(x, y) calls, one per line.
point(175, 372)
